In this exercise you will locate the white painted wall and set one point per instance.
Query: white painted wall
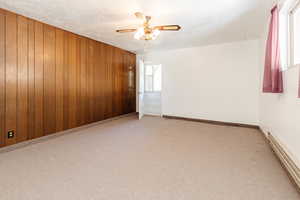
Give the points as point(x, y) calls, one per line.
point(280, 113)
point(217, 82)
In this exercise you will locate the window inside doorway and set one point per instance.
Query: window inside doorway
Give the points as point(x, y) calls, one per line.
point(152, 78)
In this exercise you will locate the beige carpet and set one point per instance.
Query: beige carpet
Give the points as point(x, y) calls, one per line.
point(152, 159)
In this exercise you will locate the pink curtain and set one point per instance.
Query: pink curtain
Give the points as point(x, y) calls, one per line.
point(273, 75)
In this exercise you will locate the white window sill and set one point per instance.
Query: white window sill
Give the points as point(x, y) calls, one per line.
point(290, 67)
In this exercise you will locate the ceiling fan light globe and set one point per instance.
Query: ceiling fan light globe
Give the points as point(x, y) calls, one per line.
point(139, 34)
point(155, 33)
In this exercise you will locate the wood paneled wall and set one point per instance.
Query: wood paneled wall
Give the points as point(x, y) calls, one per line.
point(52, 80)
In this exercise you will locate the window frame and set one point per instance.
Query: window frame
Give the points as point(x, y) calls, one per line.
point(152, 78)
point(291, 44)
point(145, 78)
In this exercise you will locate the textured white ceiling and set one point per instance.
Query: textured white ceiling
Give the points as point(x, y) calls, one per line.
point(203, 22)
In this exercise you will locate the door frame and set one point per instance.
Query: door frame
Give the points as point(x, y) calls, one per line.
point(139, 104)
point(161, 92)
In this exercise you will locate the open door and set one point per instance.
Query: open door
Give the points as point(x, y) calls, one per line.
point(141, 88)
point(153, 89)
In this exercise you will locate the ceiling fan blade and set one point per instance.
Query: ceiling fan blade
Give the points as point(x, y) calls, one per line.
point(126, 30)
point(168, 28)
point(140, 15)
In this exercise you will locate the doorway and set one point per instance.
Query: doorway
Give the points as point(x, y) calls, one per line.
point(152, 89)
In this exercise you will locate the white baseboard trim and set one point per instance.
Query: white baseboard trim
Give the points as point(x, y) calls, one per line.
point(287, 160)
point(152, 114)
point(58, 134)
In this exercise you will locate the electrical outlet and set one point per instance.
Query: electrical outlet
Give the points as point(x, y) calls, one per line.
point(10, 134)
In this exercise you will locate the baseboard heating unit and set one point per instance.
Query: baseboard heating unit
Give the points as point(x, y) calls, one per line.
point(285, 159)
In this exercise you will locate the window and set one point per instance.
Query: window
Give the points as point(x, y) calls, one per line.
point(295, 34)
point(289, 33)
point(152, 78)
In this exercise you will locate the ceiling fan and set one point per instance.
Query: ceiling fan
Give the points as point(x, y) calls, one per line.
point(147, 32)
